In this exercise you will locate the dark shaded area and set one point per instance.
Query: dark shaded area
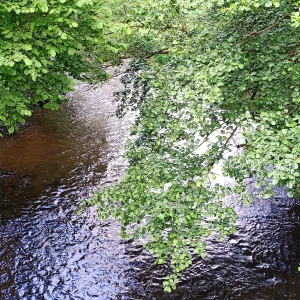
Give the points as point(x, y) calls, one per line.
point(51, 149)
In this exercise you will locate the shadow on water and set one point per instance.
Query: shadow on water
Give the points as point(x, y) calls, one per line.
point(54, 148)
point(48, 252)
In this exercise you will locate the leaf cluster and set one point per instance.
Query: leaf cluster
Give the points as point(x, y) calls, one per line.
point(45, 45)
point(228, 83)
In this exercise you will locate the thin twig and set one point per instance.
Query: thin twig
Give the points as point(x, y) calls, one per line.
point(118, 74)
point(165, 28)
point(254, 94)
point(255, 33)
point(230, 137)
point(91, 87)
point(163, 51)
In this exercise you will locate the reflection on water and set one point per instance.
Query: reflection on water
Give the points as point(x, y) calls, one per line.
point(55, 147)
point(48, 252)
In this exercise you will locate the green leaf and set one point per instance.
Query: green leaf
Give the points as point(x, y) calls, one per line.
point(27, 61)
point(71, 51)
point(11, 130)
point(9, 35)
point(52, 52)
point(27, 112)
point(268, 4)
point(11, 72)
point(64, 36)
point(37, 64)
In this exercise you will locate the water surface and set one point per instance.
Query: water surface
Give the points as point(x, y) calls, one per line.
point(48, 252)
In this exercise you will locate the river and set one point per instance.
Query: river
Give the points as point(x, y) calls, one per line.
point(49, 252)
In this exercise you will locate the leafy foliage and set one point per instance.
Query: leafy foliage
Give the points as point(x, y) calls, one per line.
point(201, 74)
point(46, 43)
point(205, 72)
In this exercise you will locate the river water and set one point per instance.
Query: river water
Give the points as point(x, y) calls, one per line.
point(48, 252)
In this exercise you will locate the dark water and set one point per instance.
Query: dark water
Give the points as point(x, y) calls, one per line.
point(48, 252)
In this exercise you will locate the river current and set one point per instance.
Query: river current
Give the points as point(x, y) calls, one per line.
point(49, 252)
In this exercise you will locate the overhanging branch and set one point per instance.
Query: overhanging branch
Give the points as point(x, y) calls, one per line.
point(255, 33)
point(163, 51)
point(230, 136)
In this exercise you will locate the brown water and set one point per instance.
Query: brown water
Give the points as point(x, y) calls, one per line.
point(48, 252)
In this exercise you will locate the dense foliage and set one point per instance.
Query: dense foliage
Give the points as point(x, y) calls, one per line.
point(209, 78)
point(43, 44)
point(206, 77)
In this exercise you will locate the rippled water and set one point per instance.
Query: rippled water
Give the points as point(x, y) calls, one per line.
point(48, 252)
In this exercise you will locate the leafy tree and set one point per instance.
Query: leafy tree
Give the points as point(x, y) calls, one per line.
point(205, 72)
point(201, 74)
point(45, 45)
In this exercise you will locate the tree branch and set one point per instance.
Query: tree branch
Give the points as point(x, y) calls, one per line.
point(254, 94)
point(230, 137)
point(255, 33)
point(163, 51)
